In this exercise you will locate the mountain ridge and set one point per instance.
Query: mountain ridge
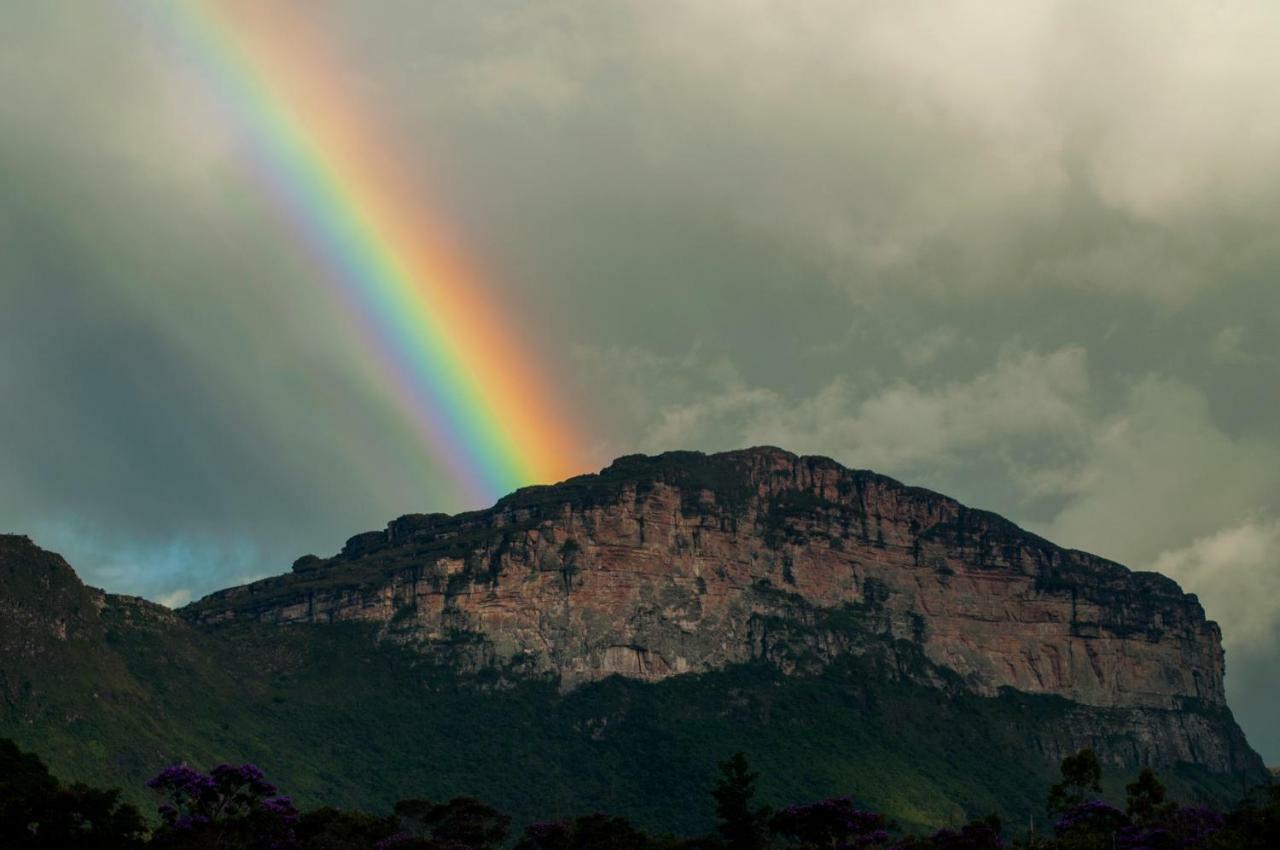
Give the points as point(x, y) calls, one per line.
point(435, 655)
point(699, 539)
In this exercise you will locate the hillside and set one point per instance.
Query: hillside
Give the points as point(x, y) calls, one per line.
point(608, 638)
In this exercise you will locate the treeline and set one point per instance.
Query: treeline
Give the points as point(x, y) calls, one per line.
point(234, 807)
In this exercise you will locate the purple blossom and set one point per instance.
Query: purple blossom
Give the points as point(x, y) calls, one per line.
point(836, 823)
point(228, 794)
point(1187, 828)
point(281, 807)
point(187, 791)
point(1091, 816)
point(190, 821)
point(183, 779)
point(393, 840)
point(246, 776)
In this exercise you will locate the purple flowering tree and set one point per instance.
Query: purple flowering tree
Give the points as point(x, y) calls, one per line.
point(1185, 828)
point(835, 824)
point(1091, 825)
point(231, 805)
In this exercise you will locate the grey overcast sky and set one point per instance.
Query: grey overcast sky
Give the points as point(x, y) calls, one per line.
point(1020, 252)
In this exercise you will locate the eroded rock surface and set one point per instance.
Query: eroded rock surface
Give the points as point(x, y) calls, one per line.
point(686, 562)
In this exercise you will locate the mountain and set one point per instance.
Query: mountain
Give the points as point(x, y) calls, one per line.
point(600, 643)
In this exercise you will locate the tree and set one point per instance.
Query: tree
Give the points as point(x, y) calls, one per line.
point(461, 822)
point(741, 826)
point(1091, 825)
point(25, 783)
point(835, 824)
point(1081, 774)
point(592, 832)
point(37, 811)
point(231, 806)
point(328, 828)
point(1145, 803)
point(1253, 825)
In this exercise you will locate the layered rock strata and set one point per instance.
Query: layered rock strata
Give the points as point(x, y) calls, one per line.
point(681, 563)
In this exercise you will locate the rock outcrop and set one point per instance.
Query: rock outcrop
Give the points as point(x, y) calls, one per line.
point(680, 563)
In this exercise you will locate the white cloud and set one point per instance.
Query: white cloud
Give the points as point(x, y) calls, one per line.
point(1160, 472)
point(1026, 419)
point(1228, 347)
point(1023, 395)
point(929, 346)
point(1236, 573)
point(896, 428)
point(175, 599)
point(1166, 107)
point(1179, 124)
point(917, 143)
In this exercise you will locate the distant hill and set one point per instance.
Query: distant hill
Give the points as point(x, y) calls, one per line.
point(600, 643)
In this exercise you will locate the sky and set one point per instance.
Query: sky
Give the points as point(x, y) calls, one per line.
point(1020, 252)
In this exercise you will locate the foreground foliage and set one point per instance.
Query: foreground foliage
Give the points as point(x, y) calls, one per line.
point(234, 807)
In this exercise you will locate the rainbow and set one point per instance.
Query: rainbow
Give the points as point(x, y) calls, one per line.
point(440, 341)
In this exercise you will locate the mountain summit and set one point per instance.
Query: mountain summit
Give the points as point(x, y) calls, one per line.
point(759, 589)
point(688, 562)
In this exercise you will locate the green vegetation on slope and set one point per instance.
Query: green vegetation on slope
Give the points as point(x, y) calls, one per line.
point(340, 719)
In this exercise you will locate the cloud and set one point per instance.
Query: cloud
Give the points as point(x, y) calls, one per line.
point(1231, 347)
point(1130, 147)
point(1026, 402)
point(175, 599)
point(1159, 108)
point(1024, 395)
point(1236, 573)
point(171, 572)
point(1160, 472)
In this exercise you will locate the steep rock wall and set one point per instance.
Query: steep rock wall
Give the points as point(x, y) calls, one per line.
point(661, 566)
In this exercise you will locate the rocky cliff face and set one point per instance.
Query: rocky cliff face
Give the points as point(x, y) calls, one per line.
point(685, 562)
point(857, 635)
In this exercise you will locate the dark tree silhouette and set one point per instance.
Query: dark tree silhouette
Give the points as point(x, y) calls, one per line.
point(593, 832)
point(1081, 774)
point(37, 811)
point(328, 828)
point(741, 826)
point(1145, 799)
point(461, 822)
